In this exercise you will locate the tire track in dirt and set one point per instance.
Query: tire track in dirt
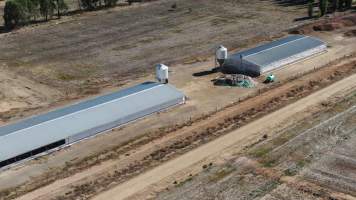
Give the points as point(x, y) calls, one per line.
point(218, 146)
point(190, 136)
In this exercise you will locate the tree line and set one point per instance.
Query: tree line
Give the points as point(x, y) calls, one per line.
point(328, 6)
point(22, 12)
point(18, 12)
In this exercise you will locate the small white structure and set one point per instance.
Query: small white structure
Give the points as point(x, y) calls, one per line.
point(221, 55)
point(162, 73)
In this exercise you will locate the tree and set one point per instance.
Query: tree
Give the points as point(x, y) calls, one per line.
point(348, 4)
point(334, 5)
point(311, 8)
point(344, 4)
point(17, 12)
point(326, 6)
point(47, 8)
point(323, 5)
point(110, 3)
point(89, 4)
point(33, 8)
point(61, 7)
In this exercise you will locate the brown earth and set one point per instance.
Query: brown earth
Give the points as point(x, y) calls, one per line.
point(151, 151)
point(53, 89)
point(330, 24)
point(114, 155)
point(238, 139)
point(311, 159)
point(80, 55)
point(351, 33)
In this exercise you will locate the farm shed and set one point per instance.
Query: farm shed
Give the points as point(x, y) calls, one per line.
point(73, 123)
point(273, 55)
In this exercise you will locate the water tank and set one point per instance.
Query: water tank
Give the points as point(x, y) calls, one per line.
point(221, 55)
point(162, 73)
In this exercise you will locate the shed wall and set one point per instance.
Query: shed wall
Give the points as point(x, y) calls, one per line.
point(273, 55)
point(89, 121)
point(236, 66)
point(124, 120)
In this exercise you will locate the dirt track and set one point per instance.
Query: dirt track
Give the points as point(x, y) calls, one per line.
point(218, 146)
point(61, 187)
point(204, 98)
point(319, 146)
point(139, 153)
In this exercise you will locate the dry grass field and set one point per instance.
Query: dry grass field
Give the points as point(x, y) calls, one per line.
point(313, 159)
point(81, 54)
point(47, 65)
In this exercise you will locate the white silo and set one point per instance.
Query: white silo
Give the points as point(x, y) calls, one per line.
point(221, 55)
point(162, 73)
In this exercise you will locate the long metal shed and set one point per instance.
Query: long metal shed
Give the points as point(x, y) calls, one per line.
point(70, 124)
point(273, 55)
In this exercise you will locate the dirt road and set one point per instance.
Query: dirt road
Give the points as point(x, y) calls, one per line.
point(204, 97)
point(219, 145)
point(101, 174)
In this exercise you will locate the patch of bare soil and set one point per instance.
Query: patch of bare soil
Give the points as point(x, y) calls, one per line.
point(330, 24)
point(336, 170)
point(240, 179)
point(82, 55)
point(350, 33)
point(183, 135)
point(113, 46)
point(151, 151)
point(318, 148)
point(19, 94)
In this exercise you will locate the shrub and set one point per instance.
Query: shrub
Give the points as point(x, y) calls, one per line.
point(16, 12)
point(20, 12)
point(110, 3)
point(323, 6)
point(89, 4)
point(61, 7)
point(47, 8)
point(310, 8)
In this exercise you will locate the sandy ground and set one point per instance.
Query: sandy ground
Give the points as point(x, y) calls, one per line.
point(56, 71)
point(24, 93)
point(140, 152)
point(312, 159)
point(82, 54)
point(203, 98)
point(221, 145)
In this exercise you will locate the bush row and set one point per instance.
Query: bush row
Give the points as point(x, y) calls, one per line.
point(21, 12)
point(94, 4)
point(326, 6)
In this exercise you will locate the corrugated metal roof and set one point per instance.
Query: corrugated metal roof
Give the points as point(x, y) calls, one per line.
point(270, 45)
point(112, 109)
point(73, 108)
point(277, 50)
